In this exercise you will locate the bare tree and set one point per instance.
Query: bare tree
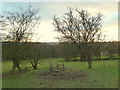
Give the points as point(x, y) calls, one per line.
point(79, 27)
point(20, 26)
point(35, 62)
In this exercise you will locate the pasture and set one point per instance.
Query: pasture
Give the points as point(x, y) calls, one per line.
point(104, 74)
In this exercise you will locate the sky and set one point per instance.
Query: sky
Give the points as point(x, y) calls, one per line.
point(45, 32)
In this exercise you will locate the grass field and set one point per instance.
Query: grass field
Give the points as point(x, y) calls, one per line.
point(104, 74)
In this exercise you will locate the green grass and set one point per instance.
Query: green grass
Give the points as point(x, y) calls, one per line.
point(6, 66)
point(104, 74)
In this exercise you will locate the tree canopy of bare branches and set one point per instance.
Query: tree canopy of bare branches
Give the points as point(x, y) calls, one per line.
point(81, 28)
point(19, 27)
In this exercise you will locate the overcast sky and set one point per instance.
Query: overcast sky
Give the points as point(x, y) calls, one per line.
point(46, 31)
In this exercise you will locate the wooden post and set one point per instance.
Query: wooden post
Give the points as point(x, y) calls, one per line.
point(51, 68)
point(63, 67)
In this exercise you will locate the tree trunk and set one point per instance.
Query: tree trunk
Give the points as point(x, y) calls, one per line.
point(16, 65)
point(16, 62)
point(35, 66)
point(89, 64)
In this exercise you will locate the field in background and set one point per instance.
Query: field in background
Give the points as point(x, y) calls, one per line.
point(104, 74)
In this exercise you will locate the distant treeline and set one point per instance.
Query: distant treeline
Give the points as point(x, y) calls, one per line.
point(68, 51)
